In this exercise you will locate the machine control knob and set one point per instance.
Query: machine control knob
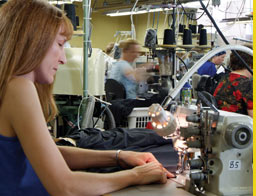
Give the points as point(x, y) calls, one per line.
point(196, 163)
point(193, 118)
point(238, 135)
point(198, 176)
point(187, 132)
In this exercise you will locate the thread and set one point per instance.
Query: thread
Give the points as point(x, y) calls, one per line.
point(203, 37)
point(77, 21)
point(181, 28)
point(151, 38)
point(187, 37)
point(200, 27)
point(192, 28)
point(169, 37)
point(71, 13)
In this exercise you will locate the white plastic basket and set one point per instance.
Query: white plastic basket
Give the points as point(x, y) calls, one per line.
point(138, 118)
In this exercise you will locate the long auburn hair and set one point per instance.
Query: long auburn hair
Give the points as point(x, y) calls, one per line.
point(27, 30)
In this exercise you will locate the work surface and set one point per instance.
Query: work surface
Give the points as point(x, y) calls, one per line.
point(168, 189)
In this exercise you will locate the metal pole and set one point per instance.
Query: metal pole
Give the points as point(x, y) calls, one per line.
point(85, 113)
point(173, 51)
point(85, 45)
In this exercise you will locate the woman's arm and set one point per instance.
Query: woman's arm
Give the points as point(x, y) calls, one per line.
point(25, 116)
point(250, 113)
point(78, 158)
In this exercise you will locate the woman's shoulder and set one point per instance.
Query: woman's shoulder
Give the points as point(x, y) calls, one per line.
point(20, 82)
point(20, 86)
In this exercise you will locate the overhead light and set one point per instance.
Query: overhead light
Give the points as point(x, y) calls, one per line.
point(57, 2)
point(138, 11)
point(147, 9)
point(63, 2)
point(118, 13)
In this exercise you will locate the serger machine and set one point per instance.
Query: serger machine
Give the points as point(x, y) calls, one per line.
point(215, 149)
point(223, 141)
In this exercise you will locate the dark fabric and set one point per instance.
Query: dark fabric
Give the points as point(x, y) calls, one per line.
point(117, 138)
point(139, 140)
point(235, 94)
point(122, 108)
point(165, 154)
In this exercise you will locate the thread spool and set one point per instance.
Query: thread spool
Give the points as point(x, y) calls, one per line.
point(58, 6)
point(200, 27)
point(192, 28)
point(187, 37)
point(77, 21)
point(169, 38)
point(203, 37)
point(181, 28)
point(70, 9)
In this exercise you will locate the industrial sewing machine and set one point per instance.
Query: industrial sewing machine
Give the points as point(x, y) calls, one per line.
point(215, 149)
point(225, 142)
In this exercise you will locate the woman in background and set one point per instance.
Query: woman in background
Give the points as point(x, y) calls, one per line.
point(209, 67)
point(235, 91)
point(32, 35)
point(123, 70)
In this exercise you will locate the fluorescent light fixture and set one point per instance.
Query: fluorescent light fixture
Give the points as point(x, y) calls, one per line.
point(148, 9)
point(63, 2)
point(125, 13)
point(57, 2)
point(118, 13)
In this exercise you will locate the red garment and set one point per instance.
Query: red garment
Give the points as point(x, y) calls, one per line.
point(235, 94)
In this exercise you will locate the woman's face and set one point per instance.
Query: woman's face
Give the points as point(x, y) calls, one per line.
point(219, 59)
point(45, 73)
point(133, 52)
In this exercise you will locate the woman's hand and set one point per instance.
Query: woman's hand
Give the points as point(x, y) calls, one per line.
point(152, 172)
point(132, 159)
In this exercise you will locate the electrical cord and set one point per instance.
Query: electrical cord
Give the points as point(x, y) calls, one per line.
point(78, 111)
point(101, 114)
point(223, 37)
point(183, 63)
point(191, 18)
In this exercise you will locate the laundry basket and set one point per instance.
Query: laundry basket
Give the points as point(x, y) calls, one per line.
point(138, 118)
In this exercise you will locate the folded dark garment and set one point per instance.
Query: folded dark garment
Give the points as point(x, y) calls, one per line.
point(139, 140)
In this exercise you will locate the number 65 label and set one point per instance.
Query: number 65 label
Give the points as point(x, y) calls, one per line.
point(234, 165)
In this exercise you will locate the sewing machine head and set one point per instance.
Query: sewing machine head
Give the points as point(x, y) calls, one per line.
point(224, 140)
